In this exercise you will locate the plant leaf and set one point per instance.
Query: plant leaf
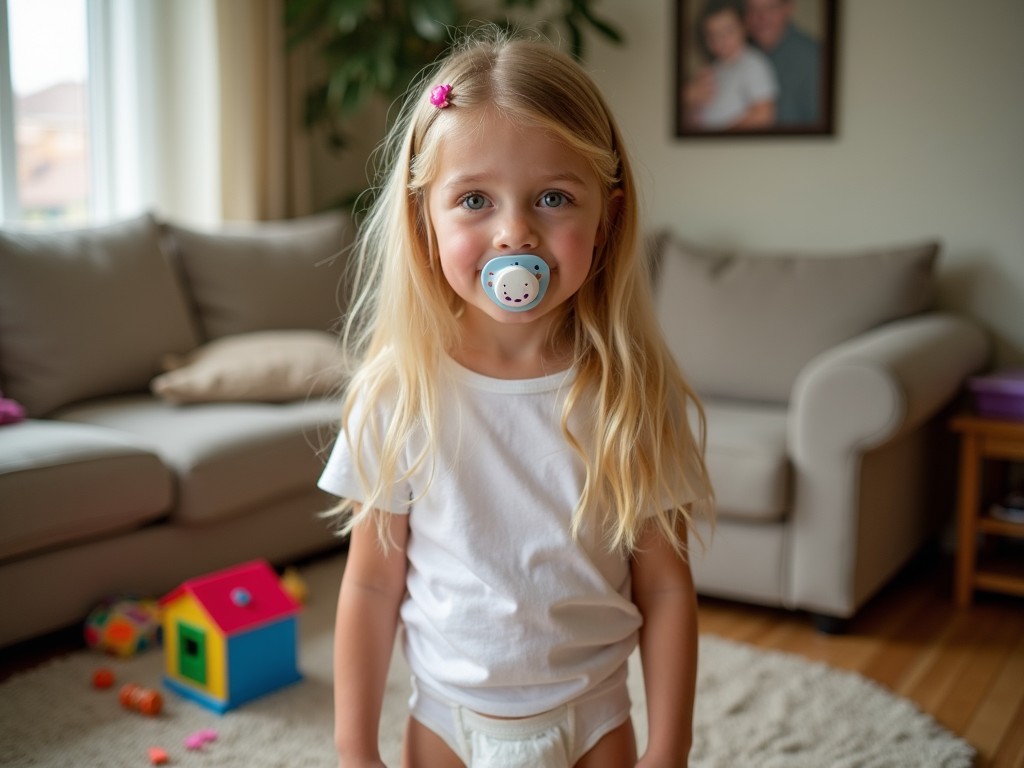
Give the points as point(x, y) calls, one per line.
point(432, 18)
point(609, 31)
point(575, 35)
point(303, 18)
point(348, 14)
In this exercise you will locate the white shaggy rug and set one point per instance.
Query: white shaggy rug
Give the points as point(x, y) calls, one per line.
point(754, 708)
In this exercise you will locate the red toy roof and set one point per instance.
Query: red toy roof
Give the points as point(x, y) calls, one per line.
point(240, 597)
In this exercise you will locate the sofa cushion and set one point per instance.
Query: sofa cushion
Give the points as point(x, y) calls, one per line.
point(67, 482)
point(747, 460)
point(264, 276)
point(228, 457)
point(86, 313)
point(266, 366)
point(743, 324)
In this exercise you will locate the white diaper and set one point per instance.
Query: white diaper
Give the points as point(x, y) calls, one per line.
point(554, 739)
point(543, 740)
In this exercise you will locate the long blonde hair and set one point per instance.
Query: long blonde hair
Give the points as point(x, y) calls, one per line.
point(398, 333)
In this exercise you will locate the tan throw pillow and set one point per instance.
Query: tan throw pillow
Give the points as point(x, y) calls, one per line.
point(266, 275)
point(87, 313)
point(270, 366)
point(743, 324)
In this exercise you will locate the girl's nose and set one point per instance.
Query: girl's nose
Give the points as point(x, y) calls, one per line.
point(515, 234)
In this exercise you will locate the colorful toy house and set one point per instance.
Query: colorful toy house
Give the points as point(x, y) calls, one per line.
point(230, 636)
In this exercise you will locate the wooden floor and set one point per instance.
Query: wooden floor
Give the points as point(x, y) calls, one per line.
point(963, 667)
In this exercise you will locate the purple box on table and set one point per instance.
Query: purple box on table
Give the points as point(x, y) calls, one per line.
point(1000, 395)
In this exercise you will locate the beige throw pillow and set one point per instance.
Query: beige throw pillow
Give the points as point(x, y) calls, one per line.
point(269, 366)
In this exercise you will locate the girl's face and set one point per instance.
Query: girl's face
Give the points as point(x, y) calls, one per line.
point(504, 189)
point(724, 34)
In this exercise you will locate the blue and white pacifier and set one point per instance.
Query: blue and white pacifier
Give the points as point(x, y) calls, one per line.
point(516, 283)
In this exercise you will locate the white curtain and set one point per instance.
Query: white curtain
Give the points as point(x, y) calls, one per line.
point(265, 151)
point(200, 109)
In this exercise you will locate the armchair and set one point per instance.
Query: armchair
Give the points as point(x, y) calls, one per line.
point(823, 378)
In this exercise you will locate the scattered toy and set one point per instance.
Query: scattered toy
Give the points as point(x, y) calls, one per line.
point(158, 756)
point(194, 742)
point(230, 636)
point(294, 585)
point(144, 700)
point(124, 626)
point(199, 739)
point(102, 678)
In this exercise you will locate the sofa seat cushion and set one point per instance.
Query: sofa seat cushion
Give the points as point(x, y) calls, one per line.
point(66, 482)
point(227, 457)
point(747, 460)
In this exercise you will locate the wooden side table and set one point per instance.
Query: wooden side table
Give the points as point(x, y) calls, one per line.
point(984, 439)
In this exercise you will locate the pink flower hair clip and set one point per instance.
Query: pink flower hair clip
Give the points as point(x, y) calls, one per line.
point(439, 96)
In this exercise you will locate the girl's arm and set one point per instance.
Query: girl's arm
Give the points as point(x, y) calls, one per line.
point(663, 591)
point(371, 592)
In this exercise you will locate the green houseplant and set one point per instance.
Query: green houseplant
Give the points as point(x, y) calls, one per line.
point(376, 47)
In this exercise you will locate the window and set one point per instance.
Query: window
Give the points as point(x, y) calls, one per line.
point(45, 136)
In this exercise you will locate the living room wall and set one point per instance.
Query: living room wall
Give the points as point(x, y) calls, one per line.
point(930, 115)
point(930, 122)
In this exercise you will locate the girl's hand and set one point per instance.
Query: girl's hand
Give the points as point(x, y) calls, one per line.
point(699, 90)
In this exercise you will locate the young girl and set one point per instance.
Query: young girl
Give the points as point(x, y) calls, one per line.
point(516, 455)
point(738, 90)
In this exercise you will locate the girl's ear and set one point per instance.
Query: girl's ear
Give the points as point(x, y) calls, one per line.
point(613, 209)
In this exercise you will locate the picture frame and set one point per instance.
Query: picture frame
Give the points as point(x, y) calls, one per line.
point(760, 68)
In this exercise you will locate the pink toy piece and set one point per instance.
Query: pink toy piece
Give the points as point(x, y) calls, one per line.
point(11, 411)
point(194, 742)
point(199, 739)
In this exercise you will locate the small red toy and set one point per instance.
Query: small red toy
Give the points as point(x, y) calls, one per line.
point(102, 678)
point(158, 756)
point(144, 700)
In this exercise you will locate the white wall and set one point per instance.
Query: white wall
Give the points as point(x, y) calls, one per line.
point(929, 143)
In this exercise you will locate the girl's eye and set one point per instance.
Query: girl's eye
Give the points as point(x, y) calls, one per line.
point(553, 199)
point(474, 201)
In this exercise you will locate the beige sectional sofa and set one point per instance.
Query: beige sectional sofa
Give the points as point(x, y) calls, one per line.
point(177, 384)
point(823, 378)
point(826, 378)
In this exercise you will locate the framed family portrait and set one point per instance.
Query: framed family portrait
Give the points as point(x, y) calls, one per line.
point(755, 68)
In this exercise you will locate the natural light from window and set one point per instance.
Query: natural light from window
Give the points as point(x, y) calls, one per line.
point(47, 46)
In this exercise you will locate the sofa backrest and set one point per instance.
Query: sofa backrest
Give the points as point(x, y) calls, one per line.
point(281, 275)
point(742, 324)
point(93, 312)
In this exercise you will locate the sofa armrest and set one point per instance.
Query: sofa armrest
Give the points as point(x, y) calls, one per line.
point(882, 384)
point(863, 395)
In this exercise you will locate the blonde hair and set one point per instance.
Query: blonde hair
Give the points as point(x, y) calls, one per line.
point(398, 333)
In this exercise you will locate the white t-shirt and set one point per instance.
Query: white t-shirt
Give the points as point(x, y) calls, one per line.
point(739, 83)
point(504, 613)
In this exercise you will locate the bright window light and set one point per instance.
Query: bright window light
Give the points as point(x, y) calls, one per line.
point(45, 131)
